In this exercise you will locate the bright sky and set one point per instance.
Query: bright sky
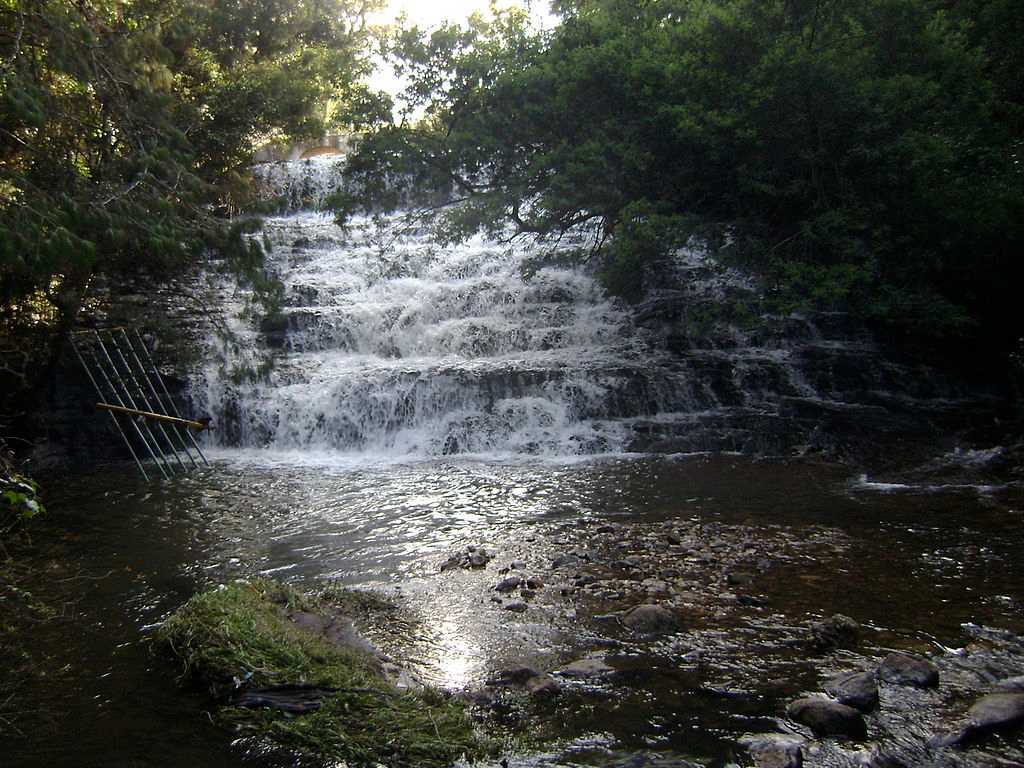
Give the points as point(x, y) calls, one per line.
point(428, 14)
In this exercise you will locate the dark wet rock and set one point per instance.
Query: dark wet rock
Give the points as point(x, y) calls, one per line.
point(583, 668)
point(527, 594)
point(903, 669)
point(751, 600)
point(513, 676)
point(516, 606)
point(858, 690)
point(837, 631)
point(992, 713)
point(650, 619)
point(770, 750)
point(535, 582)
point(673, 540)
point(827, 718)
point(543, 686)
point(739, 578)
point(509, 584)
point(607, 528)
point(295, 699)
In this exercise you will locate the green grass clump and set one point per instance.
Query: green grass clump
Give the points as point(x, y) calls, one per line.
point(240, 632)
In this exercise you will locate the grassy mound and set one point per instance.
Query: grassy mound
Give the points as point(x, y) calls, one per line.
point(241, 633)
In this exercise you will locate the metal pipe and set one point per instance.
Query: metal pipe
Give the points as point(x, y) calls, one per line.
point(117, 424)
point(175, 428)
point(163, 386)
point(149, 446)
point(142, 395)
point(158, 417)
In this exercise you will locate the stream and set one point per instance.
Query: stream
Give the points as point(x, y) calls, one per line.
point(923, 561)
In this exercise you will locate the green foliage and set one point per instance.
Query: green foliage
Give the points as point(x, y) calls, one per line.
point(19, 501)
point(863, 155)
point(127, 126)
point(241, 632)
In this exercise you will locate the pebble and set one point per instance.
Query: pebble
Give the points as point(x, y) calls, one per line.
point(508, 584)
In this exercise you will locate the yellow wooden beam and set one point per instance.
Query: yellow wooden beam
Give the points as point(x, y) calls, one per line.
point(198, 425)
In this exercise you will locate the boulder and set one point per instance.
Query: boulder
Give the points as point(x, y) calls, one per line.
point(858, 690)
point(828, 718)
point(991, 713)
point(903, 669)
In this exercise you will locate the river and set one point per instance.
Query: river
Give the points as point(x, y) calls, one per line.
point(913, 562)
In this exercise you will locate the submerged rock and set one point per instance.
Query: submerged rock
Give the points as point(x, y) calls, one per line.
point(771, 750)
point(828, 718)
point(586, 668)
point(858, 690)
point(650, 619)
point(903, 669)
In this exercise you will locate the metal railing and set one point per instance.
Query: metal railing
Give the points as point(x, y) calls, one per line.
point(129, 388)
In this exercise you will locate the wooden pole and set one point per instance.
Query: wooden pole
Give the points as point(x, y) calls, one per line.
point(198, 425)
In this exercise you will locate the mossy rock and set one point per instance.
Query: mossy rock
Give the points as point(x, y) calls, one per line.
point(242, 633)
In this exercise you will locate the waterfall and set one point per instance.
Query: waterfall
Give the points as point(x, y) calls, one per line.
point(390, 344)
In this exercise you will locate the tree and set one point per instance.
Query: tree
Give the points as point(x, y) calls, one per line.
point(126, 127)
point(861, 154)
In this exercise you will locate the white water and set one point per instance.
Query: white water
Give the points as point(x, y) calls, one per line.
point(397, 347)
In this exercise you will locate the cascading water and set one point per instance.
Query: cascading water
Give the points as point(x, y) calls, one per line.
point(389, 344)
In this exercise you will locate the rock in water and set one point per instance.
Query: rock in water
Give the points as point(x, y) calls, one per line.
point(837, 631)
point(771, 750)
point(543, 686)
point(903, 669)
point(828, 718)
point(858, 690)
point(995, 712)
point(650, 619)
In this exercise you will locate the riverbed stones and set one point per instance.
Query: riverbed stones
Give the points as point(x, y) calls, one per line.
point(858, 690)
point(827, 718)
point(771, 750)
point(516, 606)
point(650, 619)
point(904, 669)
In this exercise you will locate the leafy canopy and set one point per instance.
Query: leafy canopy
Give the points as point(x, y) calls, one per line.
point(863, 154)
point(126, 126)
